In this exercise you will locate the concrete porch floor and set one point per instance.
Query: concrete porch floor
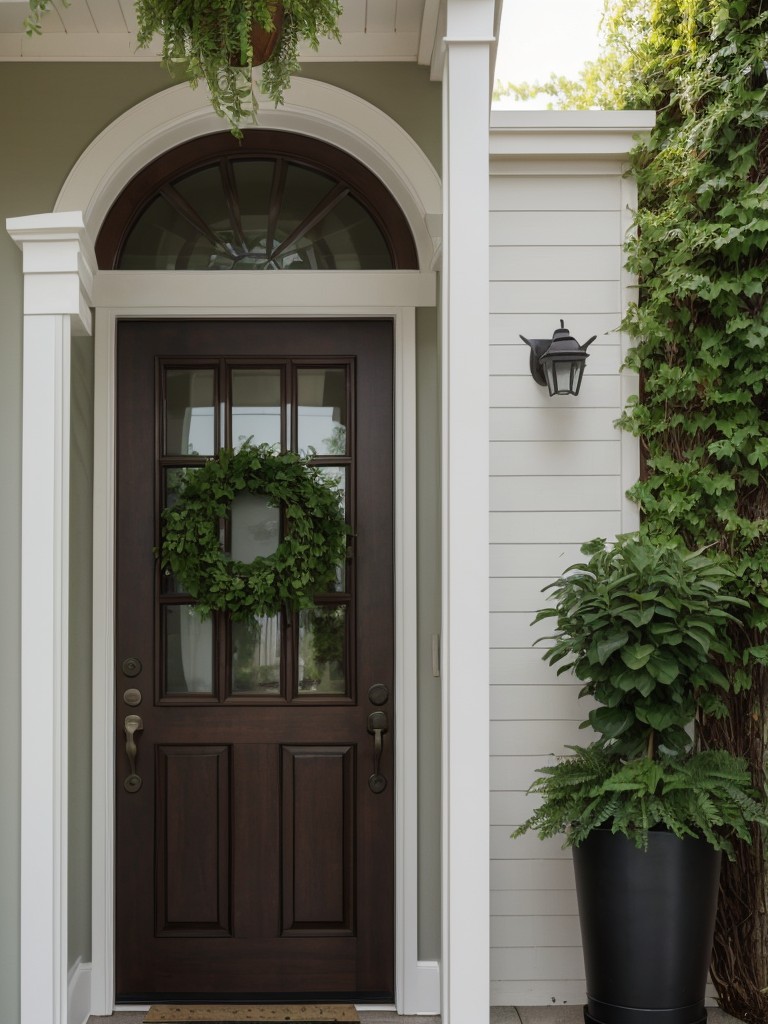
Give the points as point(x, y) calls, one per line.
point(499, 1015)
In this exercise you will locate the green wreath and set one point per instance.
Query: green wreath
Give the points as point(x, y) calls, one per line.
point(306, 560)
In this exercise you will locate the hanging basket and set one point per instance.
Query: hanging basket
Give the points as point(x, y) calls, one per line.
point(263, 40)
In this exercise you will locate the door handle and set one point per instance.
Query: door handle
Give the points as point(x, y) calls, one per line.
point(377, 726)
point(133, 724)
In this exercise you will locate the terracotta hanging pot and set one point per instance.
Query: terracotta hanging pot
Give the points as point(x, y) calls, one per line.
point(264, 41)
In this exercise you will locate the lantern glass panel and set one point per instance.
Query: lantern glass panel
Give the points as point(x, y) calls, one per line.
point(564, 374)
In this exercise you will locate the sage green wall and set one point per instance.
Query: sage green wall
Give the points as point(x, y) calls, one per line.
point(403, 91)
point(51, 113)
point(428, 556)
point(10, 620)
point(80, 634)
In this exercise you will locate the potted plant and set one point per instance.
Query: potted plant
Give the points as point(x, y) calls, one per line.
point(221, 41)
point(646, 628)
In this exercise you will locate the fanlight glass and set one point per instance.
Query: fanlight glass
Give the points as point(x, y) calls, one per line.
point(255, 213)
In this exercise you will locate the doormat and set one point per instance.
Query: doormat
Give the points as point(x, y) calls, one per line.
point(325, 1013)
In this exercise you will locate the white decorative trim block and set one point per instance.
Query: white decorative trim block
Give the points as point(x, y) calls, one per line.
point(79, 993)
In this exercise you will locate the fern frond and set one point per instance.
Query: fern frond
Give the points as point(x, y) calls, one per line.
point(707, 795)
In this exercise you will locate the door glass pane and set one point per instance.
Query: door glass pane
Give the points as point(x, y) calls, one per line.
point(174, 481)
point(188, 650)
point(322, 400)
point(322, 647)
point(255, 527)
point(336, 478)
point(256, 656)
point(256, 402)
point(189, 426)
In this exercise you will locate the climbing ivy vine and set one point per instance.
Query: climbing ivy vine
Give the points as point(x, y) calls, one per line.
point(701, 333)
point(700, 329)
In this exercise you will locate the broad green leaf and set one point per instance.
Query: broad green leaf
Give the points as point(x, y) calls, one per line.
point(636, 656)
point(605, 648)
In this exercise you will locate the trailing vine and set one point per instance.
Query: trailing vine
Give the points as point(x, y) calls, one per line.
point(306, 560)
point(701, 330)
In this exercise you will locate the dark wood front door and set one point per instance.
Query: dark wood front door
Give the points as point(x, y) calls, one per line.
point(254, 861)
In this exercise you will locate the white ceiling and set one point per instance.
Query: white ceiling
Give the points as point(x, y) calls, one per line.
point(400, 30)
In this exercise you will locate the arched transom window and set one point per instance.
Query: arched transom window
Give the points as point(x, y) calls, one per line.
point(276, 201)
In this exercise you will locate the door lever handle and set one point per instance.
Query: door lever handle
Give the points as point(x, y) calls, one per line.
point(378, 724)
point(133, 724)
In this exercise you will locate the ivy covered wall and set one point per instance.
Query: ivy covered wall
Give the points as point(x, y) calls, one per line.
point(701, 327)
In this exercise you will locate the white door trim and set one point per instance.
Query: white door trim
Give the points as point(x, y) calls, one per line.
point(417, 984)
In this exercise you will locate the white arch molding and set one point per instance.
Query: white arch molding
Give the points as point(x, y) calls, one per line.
point(61, 283)
point(311, 108)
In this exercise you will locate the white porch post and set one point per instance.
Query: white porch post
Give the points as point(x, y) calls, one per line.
point(465, 670)
point(57, 275)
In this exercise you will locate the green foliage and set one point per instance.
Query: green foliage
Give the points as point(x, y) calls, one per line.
point(211, 41)
point(37, 8)
point(700, 331)
point(616, 80)
point(707, 794)
point(648, 627)
point(306, 560)
point(645, 627)
point(701, 326)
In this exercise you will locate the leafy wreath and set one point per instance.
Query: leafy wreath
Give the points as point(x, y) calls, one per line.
point(306, 560)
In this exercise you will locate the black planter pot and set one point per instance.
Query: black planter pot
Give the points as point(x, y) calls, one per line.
point(647, 922)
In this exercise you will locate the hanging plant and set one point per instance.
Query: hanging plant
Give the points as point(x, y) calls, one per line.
point(213, 42)
point(306, 560)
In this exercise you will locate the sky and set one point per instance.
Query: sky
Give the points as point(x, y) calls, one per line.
point(541, 36)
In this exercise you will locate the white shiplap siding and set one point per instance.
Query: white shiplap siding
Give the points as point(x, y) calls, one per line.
point(559, 472)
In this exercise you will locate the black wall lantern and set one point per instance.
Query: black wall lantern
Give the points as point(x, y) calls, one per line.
point(558, 362)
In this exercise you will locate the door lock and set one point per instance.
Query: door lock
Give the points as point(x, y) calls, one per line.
point(131, 667)
point(378, 694)
point(377, 726)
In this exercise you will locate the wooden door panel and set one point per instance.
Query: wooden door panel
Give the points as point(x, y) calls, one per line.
point(193, 830)
point(255, 861)
point(318, 826)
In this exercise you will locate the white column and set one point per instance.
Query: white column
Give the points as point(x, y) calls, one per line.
point(57, 274)
point(465, 671)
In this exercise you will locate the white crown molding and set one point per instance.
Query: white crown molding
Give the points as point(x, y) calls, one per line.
point(568, 133)
point(58, 264)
